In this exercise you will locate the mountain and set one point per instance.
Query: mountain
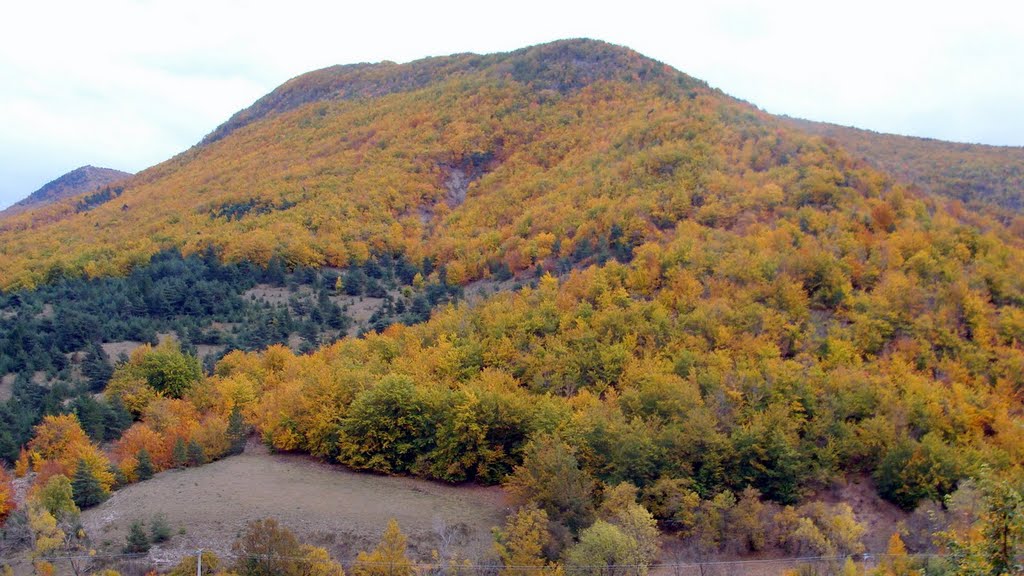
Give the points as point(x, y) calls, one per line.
point(976, 174)
point(675, 296)
point(78, 181)
point(460, 158)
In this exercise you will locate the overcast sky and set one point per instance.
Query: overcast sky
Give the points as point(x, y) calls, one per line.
point(126, 84)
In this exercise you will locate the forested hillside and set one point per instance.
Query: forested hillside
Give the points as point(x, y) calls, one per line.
point(974, 173)
point(54, 341)
point(720, 313)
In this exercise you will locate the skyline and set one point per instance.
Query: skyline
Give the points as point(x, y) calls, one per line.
point(115, 89)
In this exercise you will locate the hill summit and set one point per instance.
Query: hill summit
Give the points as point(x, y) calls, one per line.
point(563, 66)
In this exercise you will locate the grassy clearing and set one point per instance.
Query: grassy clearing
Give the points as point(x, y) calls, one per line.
point(327, 505)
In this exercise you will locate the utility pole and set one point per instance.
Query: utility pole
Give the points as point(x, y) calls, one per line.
point(199, 562)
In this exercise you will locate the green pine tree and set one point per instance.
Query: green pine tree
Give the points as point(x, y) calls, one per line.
point(86, 488)
point(159, 529)
point(144, 470)
point(196, 455)
point(179, 455)
point(237, 431)
point(117, 419)
point(137, 542)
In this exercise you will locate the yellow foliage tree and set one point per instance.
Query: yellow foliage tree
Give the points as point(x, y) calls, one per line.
point(60, 441)
point(136, 438)
point(6, 495)
point(57, 438)
point(520, 545)
point(48, 536)
point(388, 558)
point(896, 561)
point(317, 562)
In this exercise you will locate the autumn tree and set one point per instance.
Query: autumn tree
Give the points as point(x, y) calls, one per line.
point(56, 438)
point(317, 562)
point(551, 477)
point(163, 370)
point(211, 436)
point(138, 442)
point(54, 522)
point(1003, 524)
point(7, 504)
point(480, 434)
point(993, 545)
point(602, 550)
point(674, 504)
point(711, 524)
point(388, 558)
point(896, 561)
point(747, 523)
point(387, 427)
point(56, 497)
point(47, 535)
point(187, 567)
point(61, 440)
point(819, 529)
point(520, 545)
point(266, 549)
point(621, 509)
point(168, 370)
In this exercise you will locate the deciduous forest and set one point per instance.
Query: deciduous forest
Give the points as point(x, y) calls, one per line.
point(716, 317)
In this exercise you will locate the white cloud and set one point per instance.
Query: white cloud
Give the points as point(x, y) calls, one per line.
point(130, 83)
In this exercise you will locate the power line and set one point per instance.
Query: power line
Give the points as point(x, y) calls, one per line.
point(459, 565)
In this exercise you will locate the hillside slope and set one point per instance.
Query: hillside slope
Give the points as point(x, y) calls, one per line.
point(78, 181)
point(973, 173)
point(344, 510)
point(716, 300)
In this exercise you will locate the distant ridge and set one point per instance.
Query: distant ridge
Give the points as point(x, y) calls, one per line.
point(972, 173)
point(78, 181)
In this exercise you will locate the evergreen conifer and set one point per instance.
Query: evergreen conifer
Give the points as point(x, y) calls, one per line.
point(86, 489)
point(144, 470)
